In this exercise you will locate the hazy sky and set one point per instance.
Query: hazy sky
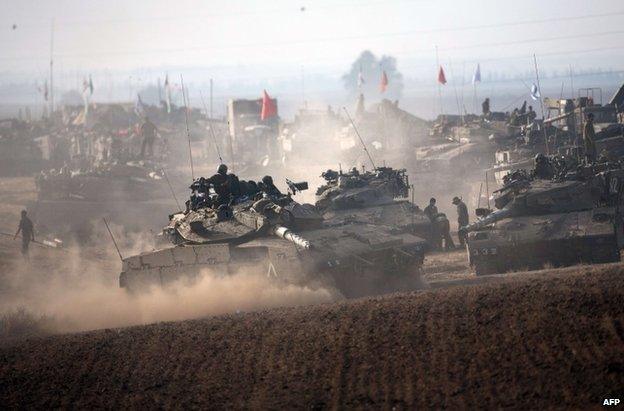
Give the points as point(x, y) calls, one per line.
point(324, 37)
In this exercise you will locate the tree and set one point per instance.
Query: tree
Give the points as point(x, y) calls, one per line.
point(372, 68)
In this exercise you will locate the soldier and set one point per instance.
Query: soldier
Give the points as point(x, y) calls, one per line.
point(485, 107)
point(462, 219)
point(443, 229)
point(220, 184)
point(269, 188)
point(531, 114)
point(148, 131)
point(431, 210)
point(543, 168)
point(589, 139)
point(28, 233)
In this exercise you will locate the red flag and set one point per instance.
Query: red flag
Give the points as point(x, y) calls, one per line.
point(269, 108)
point(441, 76)
point(383, 84)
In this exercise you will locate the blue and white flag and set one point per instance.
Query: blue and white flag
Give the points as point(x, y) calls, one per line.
point(476, 78)
point(360, 79)
point(139, 106)
point(535, 93)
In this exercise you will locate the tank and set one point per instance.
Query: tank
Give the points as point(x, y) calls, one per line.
point(376, 197)
point(276, 236)
point(569, 220)
point(132, 194)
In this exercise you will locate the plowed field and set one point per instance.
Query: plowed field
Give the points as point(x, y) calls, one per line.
point(527, 341)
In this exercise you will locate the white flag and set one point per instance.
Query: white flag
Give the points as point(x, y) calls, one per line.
point(535, 93)
point(476, 78)
point(360, 80)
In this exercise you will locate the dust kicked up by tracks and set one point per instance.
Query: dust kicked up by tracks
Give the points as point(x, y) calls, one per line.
point(531, 341)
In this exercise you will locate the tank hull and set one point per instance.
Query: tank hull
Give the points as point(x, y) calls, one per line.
point(531, 243)
point(355, 274)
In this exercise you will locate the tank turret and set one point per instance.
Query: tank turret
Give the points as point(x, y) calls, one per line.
point(560, 222)
point(275, 235)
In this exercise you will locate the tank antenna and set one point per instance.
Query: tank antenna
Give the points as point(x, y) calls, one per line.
point(360, 137)
point(214, 137)
point(171, 188)
point(188, 133)
point(112, 238)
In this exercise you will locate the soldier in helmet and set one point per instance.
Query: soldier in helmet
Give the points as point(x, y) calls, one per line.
point(148, 132)
point(220, 184)
point(268, 187)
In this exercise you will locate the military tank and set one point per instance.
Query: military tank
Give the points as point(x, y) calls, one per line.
point(568, 220)
point(131, 194)
point(274, 235)
point(377, 197)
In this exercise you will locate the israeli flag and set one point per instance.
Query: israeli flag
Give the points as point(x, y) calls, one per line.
point(476, 78)
point(535, 93)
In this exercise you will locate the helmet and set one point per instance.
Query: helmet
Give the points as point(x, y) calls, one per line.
point(456, 200)
point(539, 157)
point(267, 180)
point(222, 169)
point(432, 200)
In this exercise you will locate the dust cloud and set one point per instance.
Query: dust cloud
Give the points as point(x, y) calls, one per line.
point(78, 290)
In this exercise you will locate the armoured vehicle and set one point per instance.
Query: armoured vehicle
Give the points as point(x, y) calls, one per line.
point(571, 219)
point(377, 197)
point(130, 194)
point(272, 234)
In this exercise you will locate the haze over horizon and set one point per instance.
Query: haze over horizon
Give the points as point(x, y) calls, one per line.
point(298, 48)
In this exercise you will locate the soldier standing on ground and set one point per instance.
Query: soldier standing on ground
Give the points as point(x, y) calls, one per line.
point(485, 106)
point(589, 139)
point(28, 233)
point(462, 219)
point(148, 131)
point(431, 210)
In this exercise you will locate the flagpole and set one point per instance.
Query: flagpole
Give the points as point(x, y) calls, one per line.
point(539, 88)
point(455, 90)
point(439, 85)
point(188, 133)
point(52, 68)
point(211, 85)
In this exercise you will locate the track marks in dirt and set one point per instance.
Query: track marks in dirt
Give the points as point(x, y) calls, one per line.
point(530, 341)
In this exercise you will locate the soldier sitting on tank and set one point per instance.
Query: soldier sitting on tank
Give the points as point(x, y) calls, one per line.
point(269, 189)
point(543, 168)
point(219, 182)
point(330, 175)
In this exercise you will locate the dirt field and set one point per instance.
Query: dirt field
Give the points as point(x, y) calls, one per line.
point(529, 341)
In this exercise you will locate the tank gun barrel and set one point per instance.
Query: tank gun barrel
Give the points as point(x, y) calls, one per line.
point(557, 118)
point(487, 220)
point(288, 234)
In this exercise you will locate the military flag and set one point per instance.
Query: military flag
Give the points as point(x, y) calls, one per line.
point(269, 107)
point(139, 106)
point(360, 79)
point(535, 93)
point(383, 84)
point(441, 76)
point(476, 78)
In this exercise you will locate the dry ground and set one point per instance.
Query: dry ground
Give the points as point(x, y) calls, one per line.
point(526, 340)
point(529, 341)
